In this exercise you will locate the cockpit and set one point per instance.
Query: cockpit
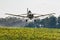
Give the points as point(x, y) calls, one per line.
point(29, 12)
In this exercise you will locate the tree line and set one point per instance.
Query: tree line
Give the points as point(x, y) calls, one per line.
point(49, 22)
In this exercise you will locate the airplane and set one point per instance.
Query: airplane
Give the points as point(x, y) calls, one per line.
point(29, 15)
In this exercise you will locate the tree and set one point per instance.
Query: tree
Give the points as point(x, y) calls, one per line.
point(52, 21)
point(58, 22)
point(45, 22)
point(37, 23)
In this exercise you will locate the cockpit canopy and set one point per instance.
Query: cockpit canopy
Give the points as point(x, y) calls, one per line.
point(29, 11)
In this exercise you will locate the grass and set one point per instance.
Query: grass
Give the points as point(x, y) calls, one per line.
point(29, 33)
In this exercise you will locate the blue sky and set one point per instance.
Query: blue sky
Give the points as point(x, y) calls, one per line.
point(36, 6)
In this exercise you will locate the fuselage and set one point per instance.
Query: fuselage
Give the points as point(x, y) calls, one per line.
point(30, 16)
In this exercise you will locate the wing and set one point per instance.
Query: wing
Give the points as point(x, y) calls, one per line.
point(43, 15)
point(16, 15)
point(23, 14)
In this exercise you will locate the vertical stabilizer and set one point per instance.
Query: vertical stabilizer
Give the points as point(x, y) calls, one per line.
point(27, 10)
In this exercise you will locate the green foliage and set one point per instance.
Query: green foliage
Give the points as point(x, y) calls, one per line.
point(50, 22)
point(29, 34)
point(59, 22)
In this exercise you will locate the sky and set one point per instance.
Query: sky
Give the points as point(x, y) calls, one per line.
point(36, 6)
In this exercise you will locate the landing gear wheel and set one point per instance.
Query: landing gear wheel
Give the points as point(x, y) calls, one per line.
point(34, 20)
point(26, 20)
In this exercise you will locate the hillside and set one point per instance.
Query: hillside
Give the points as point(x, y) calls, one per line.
point(29, 33)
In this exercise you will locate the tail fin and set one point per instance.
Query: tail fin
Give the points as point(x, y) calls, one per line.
point(27, 10)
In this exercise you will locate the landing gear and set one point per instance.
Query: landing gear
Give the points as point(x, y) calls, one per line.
point(26, 20)
point(34, 20)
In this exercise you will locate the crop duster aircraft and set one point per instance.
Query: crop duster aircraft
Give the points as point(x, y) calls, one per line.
point(29, 15)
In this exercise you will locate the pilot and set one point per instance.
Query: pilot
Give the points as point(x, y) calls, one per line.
point(29, 11)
